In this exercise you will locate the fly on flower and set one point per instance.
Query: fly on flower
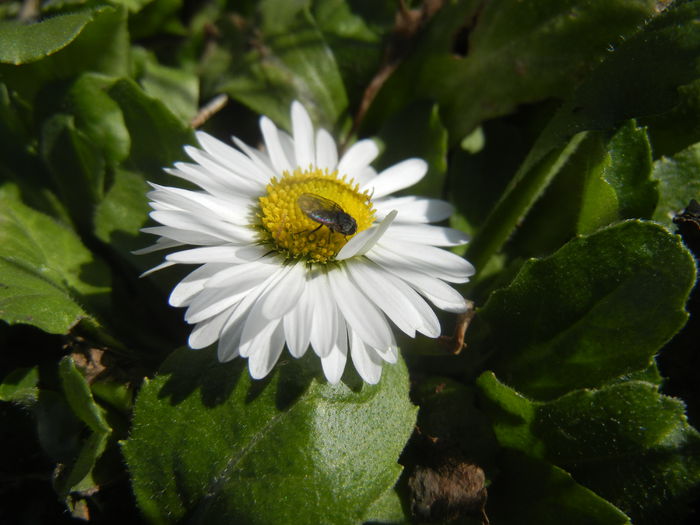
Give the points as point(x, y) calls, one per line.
point(326, 213)
point(260, 287)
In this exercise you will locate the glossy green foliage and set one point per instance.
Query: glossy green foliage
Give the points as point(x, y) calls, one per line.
point(678, 182)
point(624, 441)
point(585, 336)
point(46, 274)
point(565, 132)
point(480, 59)
point(299, 446)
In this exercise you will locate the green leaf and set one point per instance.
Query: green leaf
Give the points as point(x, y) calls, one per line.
point(354, 33)
point(290, 60)
point(98, 116)
point(45, 271)
point(626, 442)
point(20, 386)
point(641, 77)
point(156, 16)
point(211, 444)
point(402, 142)
point(23, 43)
point(520, 195)
point(628, 172)
point(176, 88)
point(678, 183)
point(77, 475)
point(513, 52)
point(528, 490)
point(76, 166)
point(386, 509)
point(157, 135)
point(679, 128)
point(19, 162)
point(102, 46)
point(58, 429)
point(79, 397)
point(122, 212)
point(565, 322)
point(605, 180)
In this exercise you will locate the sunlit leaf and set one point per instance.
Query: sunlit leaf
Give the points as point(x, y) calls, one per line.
point(101, 46)
point(625, 441)
point(678, 183)
point(23, 43)
point(20, 386)
point(210, 442)
point(46, 274)
point(290, 61)
point(600, 307)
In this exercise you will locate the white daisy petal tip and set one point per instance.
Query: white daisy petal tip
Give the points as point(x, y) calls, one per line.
point(267, 272)
point(364, 241)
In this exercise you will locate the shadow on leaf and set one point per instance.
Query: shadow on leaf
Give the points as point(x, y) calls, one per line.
point(191, 370)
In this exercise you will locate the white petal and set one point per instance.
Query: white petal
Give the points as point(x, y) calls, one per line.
point(180, 237)
point(161, 266)
point(326, 151)
point(362, 316)
point(211, 301)
point(286, 292)
point(213, 183)
point(397, 177)
point(367, 363)
point(271, 135)
point(225, 351)
point(230, 338)
point(287, 143)
point(207, 332)
point(261, 161)
point(223, 174)
point(334, 363)
point(361, 243)
point(437, 292)
point(161, 244)
point(256, 321)
point(414, 209)
point(397, 300)
point(297, 325)
point(427, 234)
point(324, 330)
point(266, 350)
point(231, 158)
point(256, 270)
point(428, 259)
point(364, 176)
point(213, 254)
point(389, 354)
point(357, 158)
point(232, 208)
point(303, 136)
point(193, 283)
point(196, 175)
point(208, 225)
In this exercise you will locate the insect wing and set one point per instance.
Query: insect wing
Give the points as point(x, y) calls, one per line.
point(318, 208)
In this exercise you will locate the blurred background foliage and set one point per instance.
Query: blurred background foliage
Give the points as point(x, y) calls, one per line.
point(565, 132)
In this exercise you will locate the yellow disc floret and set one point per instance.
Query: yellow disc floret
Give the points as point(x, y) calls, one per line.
point(311, 227)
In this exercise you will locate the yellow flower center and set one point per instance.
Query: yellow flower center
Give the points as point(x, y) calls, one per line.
point(312, 214)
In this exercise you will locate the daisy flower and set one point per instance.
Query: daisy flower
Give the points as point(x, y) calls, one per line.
point(297, 246)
